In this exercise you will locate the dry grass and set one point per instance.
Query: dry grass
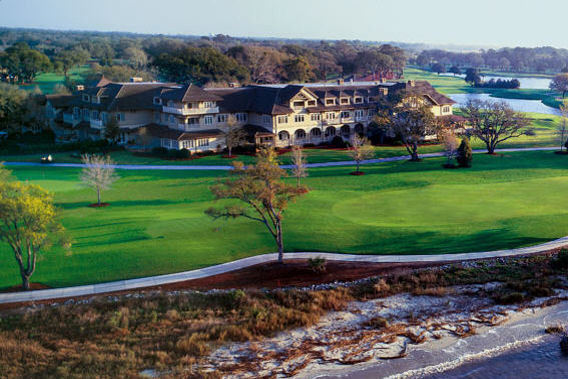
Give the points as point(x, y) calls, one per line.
point(174, 333)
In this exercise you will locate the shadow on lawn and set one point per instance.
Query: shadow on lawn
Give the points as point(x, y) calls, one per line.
point(120, 203)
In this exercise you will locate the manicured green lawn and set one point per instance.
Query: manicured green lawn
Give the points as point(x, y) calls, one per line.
point(155, 223)
point(47, 81)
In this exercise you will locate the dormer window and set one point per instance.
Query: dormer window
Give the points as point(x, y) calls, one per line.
point(95, 100)
point(157, 100)
point(329, 101)
point(372, 99)
point(344, 100)
point(311, 103)
point(208, 104)
point(298, 104)
point(358, 100)
point(86, 98)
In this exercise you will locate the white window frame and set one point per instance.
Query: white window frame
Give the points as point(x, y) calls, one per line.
point(315, 117)
point(282, 119)
point(221, 118)
point(208, 120)
point(208, 104)
point(299, 118)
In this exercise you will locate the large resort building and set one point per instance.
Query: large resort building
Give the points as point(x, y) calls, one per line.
point(189, 117)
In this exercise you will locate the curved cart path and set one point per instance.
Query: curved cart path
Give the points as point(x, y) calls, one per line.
point(152, 281)
point(227, 167)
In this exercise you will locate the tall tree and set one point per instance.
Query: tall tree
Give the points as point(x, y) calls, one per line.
point(28, 223)
point(264, 194)
point(69, 58)
point(472, 76)
point(360, 150)
point(412, 122)
point(438, 68)
point(464, 153)
point(137, 58)
point(112, 129)
point(560, 84)
point(298, 69)
point(13, 103)
point(299, 170)
point(24, 63)
point(233, 135)
point(562, 128)
point(98, 173)
point(494, 122)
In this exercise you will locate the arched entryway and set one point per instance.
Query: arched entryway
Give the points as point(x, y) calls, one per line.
point(300, 135)
point(283, 136)
point(315, 134)
point(345, 131)
point(330, 132)
point(359, 129)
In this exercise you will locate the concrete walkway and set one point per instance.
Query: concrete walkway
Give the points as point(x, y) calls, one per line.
point(132, 284)
point(227, 167)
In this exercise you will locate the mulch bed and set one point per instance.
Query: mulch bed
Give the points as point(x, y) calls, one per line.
point(357, 173)
point(101, 205)
point(294, 272)
point(18, 288)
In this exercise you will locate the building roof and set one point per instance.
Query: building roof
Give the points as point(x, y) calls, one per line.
point(60, 101)
point(189, 93)
point(423, 88)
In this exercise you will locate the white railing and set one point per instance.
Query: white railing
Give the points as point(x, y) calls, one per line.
point(362, 118)
point(96, 123)
point(190, 111)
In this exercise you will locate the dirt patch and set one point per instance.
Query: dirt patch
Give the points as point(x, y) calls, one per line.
point(357, 173)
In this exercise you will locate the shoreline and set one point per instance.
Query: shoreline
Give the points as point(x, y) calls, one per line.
point(439, 356)
point(425, 334)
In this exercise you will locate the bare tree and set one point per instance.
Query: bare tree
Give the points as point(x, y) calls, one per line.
point(412, 123)
point(451, 143)
point(261, 189)
point(98, 173)
point(560, 84)
point(494, 122)
point(360, 150)
point(299, 164)
point(233, 135)
point(562, 129)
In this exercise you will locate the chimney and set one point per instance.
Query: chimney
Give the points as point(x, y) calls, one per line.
point(383, 91)
point(340, 82)
point(136, 79)
point(383, 80)
point(411, 83)
point(80, 87)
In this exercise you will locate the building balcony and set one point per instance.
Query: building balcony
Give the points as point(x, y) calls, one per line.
point(190, 111)
point(68, 118)
point(362, 118)
point(97, 124)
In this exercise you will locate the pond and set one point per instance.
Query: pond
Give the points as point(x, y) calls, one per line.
point(535, 106)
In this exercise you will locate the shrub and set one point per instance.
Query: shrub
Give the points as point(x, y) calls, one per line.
point(511, 298)
point(377, 322)
point(160, 151)
point(464, 154)
point(309, 145)
point(317, 264)
point(561, 261)
point(338, 142)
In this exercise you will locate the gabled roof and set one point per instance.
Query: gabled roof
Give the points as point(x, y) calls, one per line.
point(423, 88)
point(60, 101)
point(189, 93)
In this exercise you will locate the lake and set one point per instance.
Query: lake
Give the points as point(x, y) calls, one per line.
point(518, 105)
point(536, 360)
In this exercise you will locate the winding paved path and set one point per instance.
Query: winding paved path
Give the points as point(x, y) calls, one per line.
point(226, 167)
point(131, 284)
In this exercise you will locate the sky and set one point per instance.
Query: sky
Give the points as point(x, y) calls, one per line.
point(458, 22)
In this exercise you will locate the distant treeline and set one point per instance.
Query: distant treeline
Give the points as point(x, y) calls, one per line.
point(519, 59)
point(499, 83)
point(216, 60)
